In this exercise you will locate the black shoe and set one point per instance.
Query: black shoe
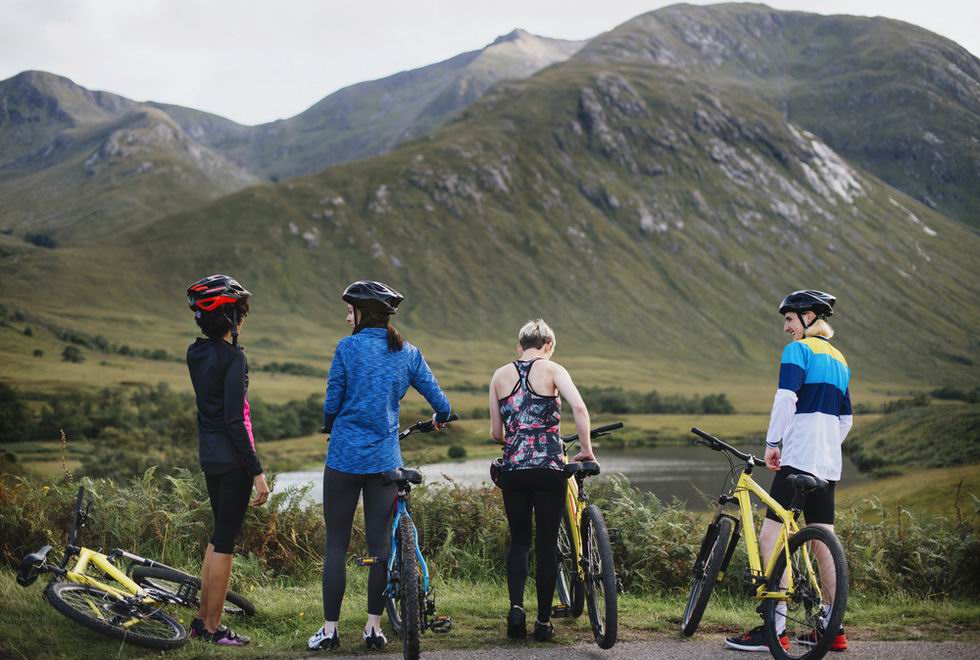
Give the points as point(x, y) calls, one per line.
point(516, 623)
point(376, 641)
point(755, 640)
point(544, 632)
point(320, 642)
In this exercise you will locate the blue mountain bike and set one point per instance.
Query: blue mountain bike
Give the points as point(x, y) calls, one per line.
point(409, 600)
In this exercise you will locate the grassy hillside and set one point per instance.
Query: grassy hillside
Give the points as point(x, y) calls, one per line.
point(925, 437)
point(893, 98)
point(645, 214)
point(77, 165)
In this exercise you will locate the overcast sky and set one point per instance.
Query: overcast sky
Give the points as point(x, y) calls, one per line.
point(259, 61)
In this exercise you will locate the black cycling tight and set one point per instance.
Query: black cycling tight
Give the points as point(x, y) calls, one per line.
point(229, 493)
point(542, 491)
point(341, 491)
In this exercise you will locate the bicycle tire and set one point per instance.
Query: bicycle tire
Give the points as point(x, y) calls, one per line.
point(571, 589)
point(168, 579)
point(806, 595)
point(706, 569)
point(410, 605)
point(600, 578)
point(62, 594)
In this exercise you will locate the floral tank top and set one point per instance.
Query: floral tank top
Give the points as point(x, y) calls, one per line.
point(531, 426)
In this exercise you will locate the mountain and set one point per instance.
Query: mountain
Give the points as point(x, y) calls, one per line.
point(638, 209)
point(893, 98)
point(370, 118)
point(79, 165)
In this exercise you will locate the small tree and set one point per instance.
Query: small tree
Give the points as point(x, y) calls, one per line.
point(38, 353)
point(72, 354)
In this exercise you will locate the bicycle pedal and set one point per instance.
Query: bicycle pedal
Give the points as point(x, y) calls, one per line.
point(441, 624)
point(561, 612)
point(368, 561)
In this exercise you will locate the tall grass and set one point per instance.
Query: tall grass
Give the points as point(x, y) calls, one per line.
point(464, 535)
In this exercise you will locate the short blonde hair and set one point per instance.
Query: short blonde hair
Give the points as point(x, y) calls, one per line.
point(535, 334)
point(819, 328)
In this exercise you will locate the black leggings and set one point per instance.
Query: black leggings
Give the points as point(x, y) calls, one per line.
point(229, 493)
point(340, 493)
point(542, 491)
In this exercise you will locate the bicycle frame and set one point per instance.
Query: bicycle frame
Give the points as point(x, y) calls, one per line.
point(401, 511)
point(572, 499)
point(86, 557)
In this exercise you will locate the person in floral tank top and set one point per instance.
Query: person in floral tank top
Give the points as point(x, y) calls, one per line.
point(525, 416)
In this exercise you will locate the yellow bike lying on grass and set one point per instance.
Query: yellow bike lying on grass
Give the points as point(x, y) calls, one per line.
point(128, 605)
point(814, 555)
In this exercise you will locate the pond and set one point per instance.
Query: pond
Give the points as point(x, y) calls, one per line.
point(680, 471)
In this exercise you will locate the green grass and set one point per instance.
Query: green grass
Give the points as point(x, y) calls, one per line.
point(937, 435)
point(923, 492)
point(288, 614)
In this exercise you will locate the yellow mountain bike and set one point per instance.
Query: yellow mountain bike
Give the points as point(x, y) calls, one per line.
point(817, 575)
point(113, 602)
point(586, 571)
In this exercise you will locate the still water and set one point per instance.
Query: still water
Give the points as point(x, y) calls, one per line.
point(683, 472)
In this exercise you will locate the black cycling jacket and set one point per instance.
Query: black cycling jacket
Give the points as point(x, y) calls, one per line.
point(219, 372)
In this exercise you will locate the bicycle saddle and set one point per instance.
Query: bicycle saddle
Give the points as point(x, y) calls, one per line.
point(28, 570)
point(585, 468)
point(806, 482)
point(401, 476)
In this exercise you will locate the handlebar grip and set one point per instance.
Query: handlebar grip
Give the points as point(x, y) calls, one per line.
point(605, 429)
point(707, 436)
point(452, 418)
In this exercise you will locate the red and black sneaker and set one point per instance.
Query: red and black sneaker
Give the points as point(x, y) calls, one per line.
point(755, 640)
point(811, 638)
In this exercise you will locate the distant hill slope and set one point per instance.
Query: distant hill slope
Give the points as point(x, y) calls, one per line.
point(81, 165)
point(370, 118)
point(893, 98)
point(636, 207)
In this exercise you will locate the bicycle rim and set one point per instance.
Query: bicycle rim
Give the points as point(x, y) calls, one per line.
point(99, 611)
point(600, 578)
point(815, 583)
point(409, 585)
point(170, 580)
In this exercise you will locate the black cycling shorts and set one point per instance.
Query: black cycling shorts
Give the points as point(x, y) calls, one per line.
point(229, 493)
point(819, 505)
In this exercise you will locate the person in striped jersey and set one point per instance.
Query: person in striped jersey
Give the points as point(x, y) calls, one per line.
point(811, 416)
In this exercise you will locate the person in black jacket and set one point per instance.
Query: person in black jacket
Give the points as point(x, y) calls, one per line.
point(219, 372)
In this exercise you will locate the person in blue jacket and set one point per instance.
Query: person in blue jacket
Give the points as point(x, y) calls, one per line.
point(370, 373)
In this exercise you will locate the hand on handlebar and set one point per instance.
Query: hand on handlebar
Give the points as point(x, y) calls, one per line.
point(584, 456)
point(439, 426)
point(772, 458)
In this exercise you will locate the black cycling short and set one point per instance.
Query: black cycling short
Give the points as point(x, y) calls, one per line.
point(229, 492)
point(819, 505)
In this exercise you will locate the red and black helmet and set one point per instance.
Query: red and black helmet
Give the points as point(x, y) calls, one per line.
point(210, 293)
point(373, 296)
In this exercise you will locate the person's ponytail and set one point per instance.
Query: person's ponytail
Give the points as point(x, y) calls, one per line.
point(395, 340)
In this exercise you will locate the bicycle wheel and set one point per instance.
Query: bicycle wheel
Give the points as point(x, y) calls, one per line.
point(409, 587)
point(101, 612)
point(571, 590)
point(169, 580)
point(808, 638)
point(600, 577)
point(706, 568)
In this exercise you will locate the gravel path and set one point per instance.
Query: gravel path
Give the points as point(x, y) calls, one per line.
point(710, 649)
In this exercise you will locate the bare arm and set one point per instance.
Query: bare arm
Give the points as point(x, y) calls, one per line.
point(496, 419)
point(568, 391)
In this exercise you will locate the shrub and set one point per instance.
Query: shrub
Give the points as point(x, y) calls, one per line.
point(72, 354)
point(38, 353)
point(457, 451)
point(28, 331)
point(14, 415)
point(41, 240)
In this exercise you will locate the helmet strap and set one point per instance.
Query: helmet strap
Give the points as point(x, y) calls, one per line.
point(806, 326)
point(234, 325)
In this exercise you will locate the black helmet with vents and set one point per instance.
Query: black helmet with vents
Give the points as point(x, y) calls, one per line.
point(818, 302)
point(372, 296)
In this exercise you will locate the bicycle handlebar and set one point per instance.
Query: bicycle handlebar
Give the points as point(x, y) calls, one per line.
point(714, 443)
point(424, 426)
point(594, 433)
